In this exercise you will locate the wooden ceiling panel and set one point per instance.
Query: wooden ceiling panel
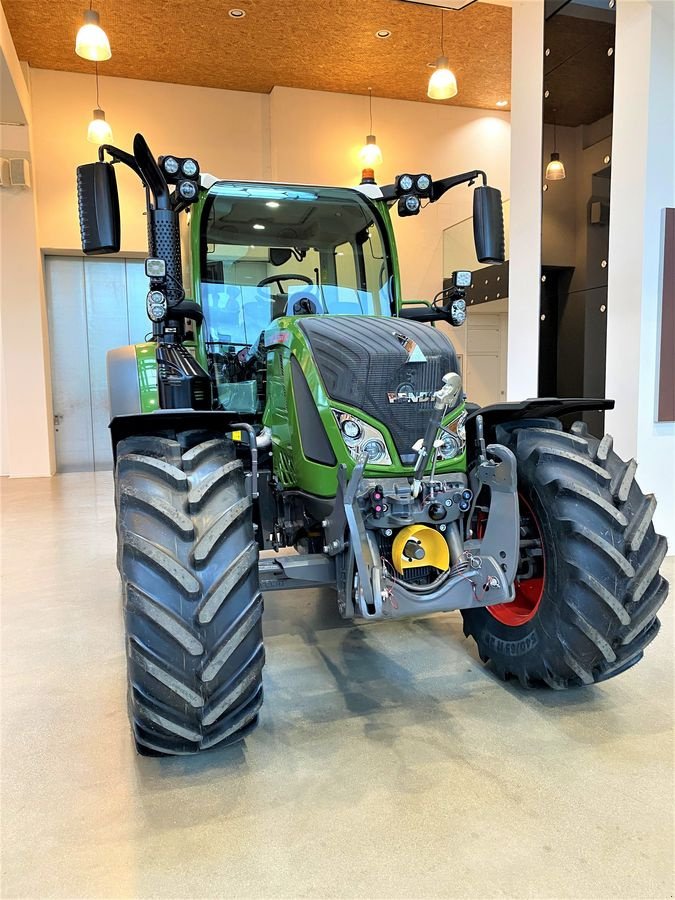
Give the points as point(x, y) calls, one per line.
point(325, 45)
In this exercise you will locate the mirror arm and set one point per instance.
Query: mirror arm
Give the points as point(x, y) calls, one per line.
point(438, 188)
point(443, 185)
point(151, 173)
point(120, 156)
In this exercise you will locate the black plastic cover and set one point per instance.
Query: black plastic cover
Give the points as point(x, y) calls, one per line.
point(488, 224)
point(98, 207)
point(315, 443)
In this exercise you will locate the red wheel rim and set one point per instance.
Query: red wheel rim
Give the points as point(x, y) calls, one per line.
point(529, 591)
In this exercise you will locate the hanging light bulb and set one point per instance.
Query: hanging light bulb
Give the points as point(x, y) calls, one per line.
point(442, 83)
point(370, 154)
point(92, 41)
point(99, 131)
point(555, 170)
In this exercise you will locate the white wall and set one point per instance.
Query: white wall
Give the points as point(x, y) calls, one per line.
point(643, 184)
point(293, 135)
point(26, 438)
point(224, 130)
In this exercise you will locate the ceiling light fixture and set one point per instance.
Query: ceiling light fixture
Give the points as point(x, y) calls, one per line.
point(370, 154)
point(555, 170)
point(383, 33)
point(237, 13)
point(92, 41)
point(442, 84)
point(502, 103)
point(99, 131)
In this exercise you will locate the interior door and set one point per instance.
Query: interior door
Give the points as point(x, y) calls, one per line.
point(93, 305)
point(485, 376)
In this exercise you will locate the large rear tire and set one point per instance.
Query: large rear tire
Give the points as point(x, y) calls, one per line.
point(586, 607)
point(192, 604)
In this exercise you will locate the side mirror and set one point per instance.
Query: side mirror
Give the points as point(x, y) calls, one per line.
point(488, 224)
point(279, 255)
point(98, 207)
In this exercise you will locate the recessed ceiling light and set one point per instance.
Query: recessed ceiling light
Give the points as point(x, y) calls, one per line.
point(272, 204)
point(383, 33)
point(259, 227)
point(237, 13)
point(502, 103)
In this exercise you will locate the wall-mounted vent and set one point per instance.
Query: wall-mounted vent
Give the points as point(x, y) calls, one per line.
point(19, 172)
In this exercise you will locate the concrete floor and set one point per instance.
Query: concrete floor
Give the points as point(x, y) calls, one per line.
point(388, 763)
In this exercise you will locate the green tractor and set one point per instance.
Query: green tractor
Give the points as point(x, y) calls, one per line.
point(289, 402)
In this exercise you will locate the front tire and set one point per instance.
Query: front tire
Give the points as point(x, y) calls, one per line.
point(586, 608)
point(192, 604)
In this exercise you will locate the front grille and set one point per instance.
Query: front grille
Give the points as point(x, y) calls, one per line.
point(362, 361)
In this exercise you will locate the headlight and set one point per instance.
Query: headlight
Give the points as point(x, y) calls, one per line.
point(423, 183)
point(375, 450)
point(351, 429)
point(360, 438)
point(155, 306)
point(405, 182)
point(453, 439)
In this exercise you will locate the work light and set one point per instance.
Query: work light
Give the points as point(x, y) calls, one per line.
point(189, 168)
point(408, 205)
point(187, 189)
point(170, 165)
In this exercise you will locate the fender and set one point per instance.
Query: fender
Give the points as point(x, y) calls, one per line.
point(165, 421)
point(534, 408)
point(124, 391)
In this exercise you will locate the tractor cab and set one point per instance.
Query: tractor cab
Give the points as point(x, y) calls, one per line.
point(268, 248)
point(270, 251)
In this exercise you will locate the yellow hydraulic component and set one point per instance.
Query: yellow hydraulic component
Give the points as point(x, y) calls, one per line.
point(419, 545)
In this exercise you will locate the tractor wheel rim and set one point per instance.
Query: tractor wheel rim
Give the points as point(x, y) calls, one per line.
point(524, 606)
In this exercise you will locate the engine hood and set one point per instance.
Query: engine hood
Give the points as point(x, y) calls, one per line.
point(388, 367)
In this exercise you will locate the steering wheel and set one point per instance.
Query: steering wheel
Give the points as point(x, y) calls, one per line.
point(277, 279)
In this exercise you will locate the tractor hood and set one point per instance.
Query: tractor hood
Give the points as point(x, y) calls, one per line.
point(387, 367)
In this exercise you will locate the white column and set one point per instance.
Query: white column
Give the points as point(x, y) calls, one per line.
point(627, 219)
point(643, 185)
point(527, 80)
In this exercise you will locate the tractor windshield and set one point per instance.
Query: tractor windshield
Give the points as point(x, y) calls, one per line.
point(273, 250)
